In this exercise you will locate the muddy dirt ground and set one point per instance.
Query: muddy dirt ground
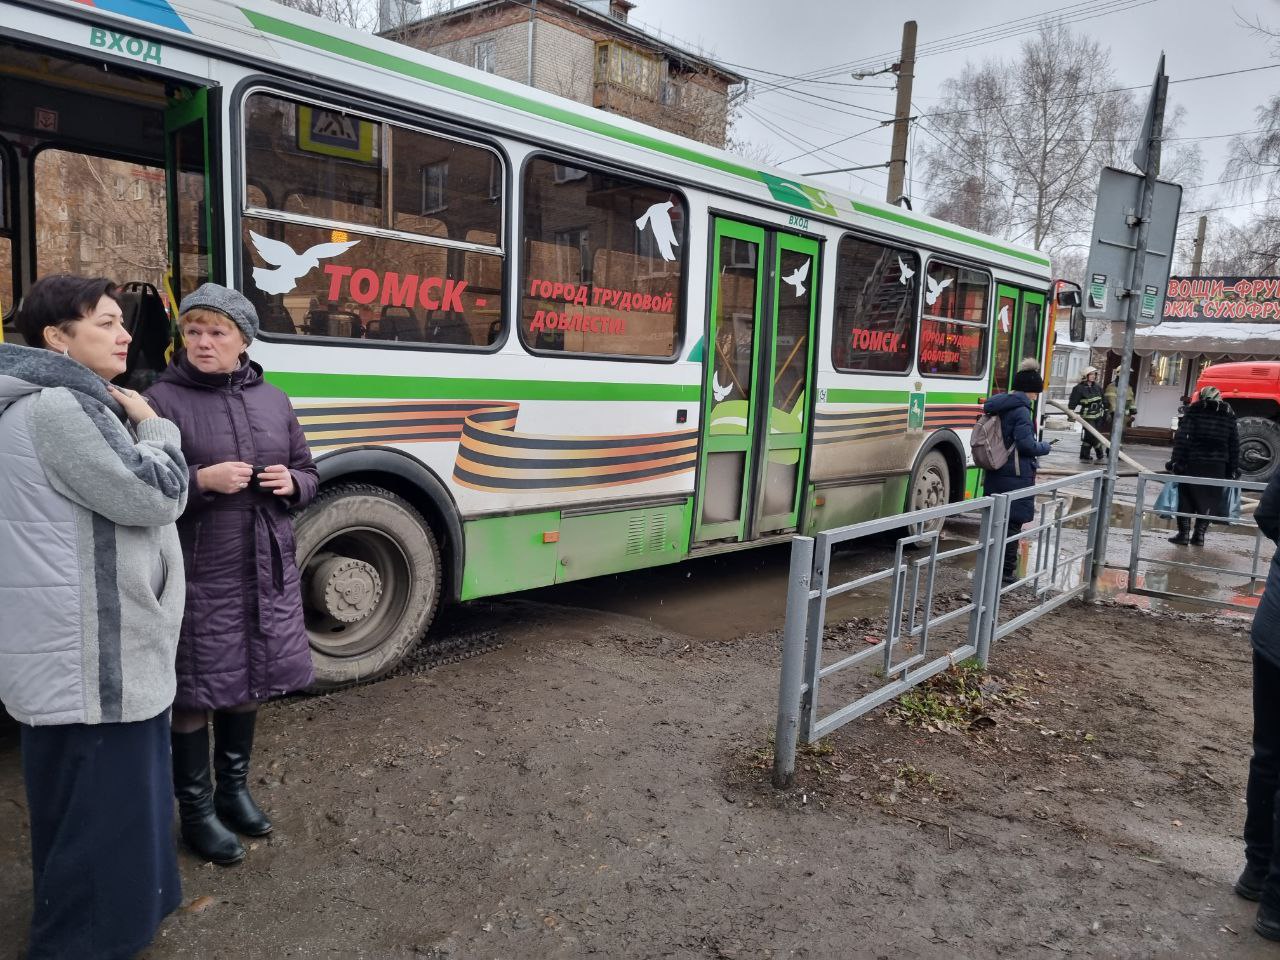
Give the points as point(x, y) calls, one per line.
point(598, 786)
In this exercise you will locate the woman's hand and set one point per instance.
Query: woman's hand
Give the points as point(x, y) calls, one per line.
point(135, 407)
point(278, 480)
point(229, 477)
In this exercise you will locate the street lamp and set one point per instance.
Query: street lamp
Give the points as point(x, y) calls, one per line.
point(892, 68)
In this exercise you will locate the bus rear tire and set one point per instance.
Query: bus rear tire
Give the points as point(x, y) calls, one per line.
point(370, 572)
point(930, 487)
point(1259, 448)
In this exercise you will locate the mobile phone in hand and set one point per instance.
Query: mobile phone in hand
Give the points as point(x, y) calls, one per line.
point(1054, 440)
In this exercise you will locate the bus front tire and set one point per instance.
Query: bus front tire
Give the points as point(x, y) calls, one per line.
point(930, 487)
point(370, 573)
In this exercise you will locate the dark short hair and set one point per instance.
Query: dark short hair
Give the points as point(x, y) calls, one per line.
point(59, 300)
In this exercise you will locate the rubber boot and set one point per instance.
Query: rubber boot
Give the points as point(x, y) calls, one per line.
point(1197, 538)
point(232, 750)
point(200, 828)
point(1184, 528)
point(1086, 451)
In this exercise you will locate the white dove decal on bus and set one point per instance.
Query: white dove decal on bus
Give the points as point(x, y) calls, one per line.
point(935, 288)
point(798, 277)
point(658, 218)
point(290, 267)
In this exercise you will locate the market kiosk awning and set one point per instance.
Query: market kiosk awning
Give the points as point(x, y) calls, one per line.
point(1213, 339)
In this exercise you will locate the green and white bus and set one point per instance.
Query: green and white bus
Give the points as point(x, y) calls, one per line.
point(529, 341)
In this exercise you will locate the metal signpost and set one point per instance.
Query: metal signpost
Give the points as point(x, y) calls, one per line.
point(1135, 224)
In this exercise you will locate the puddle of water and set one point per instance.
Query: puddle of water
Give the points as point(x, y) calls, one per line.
point(726, 596)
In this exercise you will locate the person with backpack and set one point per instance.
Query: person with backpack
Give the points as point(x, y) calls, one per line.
point(1022, 446)
point(1087, 397)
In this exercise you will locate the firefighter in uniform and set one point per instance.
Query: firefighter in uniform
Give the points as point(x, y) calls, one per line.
point(1086, 397)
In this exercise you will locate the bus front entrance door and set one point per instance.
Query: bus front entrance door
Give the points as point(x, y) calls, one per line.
point(759, 370)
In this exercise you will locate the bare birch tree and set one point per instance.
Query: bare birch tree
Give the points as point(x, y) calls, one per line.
point(1015, 147)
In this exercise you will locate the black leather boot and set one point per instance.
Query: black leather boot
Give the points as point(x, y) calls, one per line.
point(1197, 538)
point(1184, 528)
point(192, 785)
point(1267, 923)
point(1251, 881)
point(232, 749)
point(1086, 451)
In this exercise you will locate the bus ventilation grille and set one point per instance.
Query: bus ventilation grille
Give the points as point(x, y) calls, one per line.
point(646, 533)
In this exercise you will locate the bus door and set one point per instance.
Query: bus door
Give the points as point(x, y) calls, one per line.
point(759, 372)
point(1019, 332)
point(190, 161)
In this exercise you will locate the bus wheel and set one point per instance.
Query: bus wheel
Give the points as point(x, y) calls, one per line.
point(1259, 448)
point(370, 581)
point(930, 487)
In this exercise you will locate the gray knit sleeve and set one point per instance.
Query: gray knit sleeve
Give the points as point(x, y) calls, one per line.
point(92, 460)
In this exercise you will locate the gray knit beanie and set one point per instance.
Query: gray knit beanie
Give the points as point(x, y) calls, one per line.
point(232, 304)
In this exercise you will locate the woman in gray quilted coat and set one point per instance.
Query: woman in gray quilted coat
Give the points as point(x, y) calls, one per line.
point(91, 600)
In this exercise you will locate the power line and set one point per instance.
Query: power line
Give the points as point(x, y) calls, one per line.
point(792, 137)
point(1098, 93)
point(1070, 13)
point(833, 143)
point(1229, 206)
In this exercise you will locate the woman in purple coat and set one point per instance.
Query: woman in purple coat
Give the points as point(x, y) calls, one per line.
point(243, 636)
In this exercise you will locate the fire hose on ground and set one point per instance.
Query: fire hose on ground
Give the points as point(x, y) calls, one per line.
point(1248, 505)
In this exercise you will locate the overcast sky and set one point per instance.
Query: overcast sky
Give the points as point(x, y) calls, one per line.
point(807, 36)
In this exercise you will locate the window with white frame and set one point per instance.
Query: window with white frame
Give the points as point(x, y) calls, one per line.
point(485, 56)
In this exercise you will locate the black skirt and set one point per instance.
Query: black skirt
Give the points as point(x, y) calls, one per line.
point(103, 859)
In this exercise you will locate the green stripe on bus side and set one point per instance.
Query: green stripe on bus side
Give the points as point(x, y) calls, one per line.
point(894, 217)
point(934, 397)
point(377, 58)
point(868, 396)
point(375, 387)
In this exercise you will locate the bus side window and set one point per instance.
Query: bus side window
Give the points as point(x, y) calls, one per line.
point(954, 321)
point(876, 296)
point(430, 273)
point(603, 263)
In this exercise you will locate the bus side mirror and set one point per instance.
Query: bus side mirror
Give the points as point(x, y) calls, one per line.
point(1077, 330)
point(1068, 300)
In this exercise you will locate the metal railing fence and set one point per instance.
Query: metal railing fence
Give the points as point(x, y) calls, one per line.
point(903, 655)
point(1141, 585)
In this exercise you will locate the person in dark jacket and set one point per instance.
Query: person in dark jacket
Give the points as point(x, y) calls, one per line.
point(243, 637)
point(1207, 444)
point(1014, 410)
point(1261, 877)
point(1087, 397)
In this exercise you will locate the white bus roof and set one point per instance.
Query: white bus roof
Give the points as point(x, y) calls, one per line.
point(267, 33)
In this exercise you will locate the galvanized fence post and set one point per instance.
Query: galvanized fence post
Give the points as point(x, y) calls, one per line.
point(991, 576)
point(790, 687)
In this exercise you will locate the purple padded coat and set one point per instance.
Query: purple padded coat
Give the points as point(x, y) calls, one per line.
point(243, 636)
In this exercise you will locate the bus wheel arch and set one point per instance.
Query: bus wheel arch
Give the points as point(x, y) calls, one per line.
point(373, 551)
point(410, 479)
point(936, 478)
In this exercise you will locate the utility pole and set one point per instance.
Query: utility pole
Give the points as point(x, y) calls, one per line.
point(1197, 258)
point(902, 114)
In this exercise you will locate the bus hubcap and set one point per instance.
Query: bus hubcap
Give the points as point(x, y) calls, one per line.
point(345, 589)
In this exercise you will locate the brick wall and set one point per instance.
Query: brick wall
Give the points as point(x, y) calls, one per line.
point(564, 62)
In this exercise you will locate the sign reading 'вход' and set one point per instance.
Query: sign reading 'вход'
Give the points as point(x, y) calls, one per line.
point(1223, 299)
